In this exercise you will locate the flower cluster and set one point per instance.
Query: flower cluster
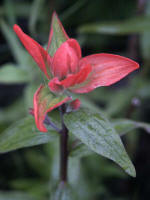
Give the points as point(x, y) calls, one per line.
point(66, 69)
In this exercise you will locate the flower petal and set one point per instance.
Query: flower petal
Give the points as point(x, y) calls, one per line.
point(107, 69)
point(57, 34)
point(38, 53)
point(57, 86)
point(66, 59)
point(78, 78)
point(44, 101)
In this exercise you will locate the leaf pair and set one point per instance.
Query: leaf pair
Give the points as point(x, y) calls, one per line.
point(92, 129)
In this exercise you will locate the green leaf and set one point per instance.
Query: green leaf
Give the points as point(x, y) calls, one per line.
point(145, 45)
point(49, 98)
point(36, 187)
point(20, 9)
point(10, 74)
point(58, 37)
point(144, 38)
point(9, 9)
point(37, 161)
point(46, 101)
point(74, 172)
point(80, 150)
point(94, 130)
point(15, 46)
point(62, 192)
point(34, 15)
point(11, 114)
point(123, 126)
point(29, 93)
point(135, 25)
point(67, 14)
point(15, 196)
point(22, 134)
point(120, 102)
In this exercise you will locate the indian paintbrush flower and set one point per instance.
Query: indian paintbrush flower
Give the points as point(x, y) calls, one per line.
point(66, 70)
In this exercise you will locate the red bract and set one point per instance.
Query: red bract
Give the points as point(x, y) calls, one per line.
point(75, 105)
point(67, 70)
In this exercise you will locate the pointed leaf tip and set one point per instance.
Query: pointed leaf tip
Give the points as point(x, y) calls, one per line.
point(95, 131)
point(55, 19)
point(131, 171)
point(38, 53)
point(15, 26)
point(57, 35)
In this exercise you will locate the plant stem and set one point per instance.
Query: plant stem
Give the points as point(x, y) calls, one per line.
point(63, 155)
point(50, 123)
point(63, 146)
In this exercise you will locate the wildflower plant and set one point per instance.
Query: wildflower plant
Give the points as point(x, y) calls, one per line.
point(67, 72)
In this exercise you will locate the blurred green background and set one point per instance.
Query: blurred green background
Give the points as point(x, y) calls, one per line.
point(113, 26)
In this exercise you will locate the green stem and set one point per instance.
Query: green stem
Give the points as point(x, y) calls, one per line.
point(63, 147)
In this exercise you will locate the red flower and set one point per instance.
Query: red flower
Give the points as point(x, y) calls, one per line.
point(67, 70)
